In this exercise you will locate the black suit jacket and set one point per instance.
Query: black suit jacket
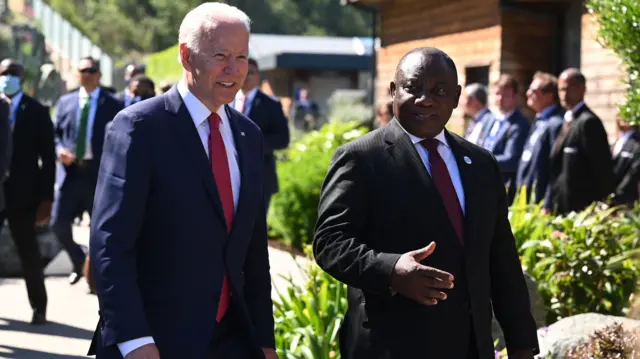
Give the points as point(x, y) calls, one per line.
point(534, 167)
point(581, 165)
point(32, 170)
point(159, 240)
point(626, 168)
point(377, 202)
point(5, 147)
point(267, 113)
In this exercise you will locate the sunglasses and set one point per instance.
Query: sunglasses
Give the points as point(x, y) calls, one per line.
point(89, 71)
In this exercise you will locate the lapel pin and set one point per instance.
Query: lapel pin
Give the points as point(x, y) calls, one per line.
point(241, 133)
point(467, 160)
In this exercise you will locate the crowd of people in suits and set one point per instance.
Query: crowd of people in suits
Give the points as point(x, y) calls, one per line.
point(49, 169)
point(563, 158)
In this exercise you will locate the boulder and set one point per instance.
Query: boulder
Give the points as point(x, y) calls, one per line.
point(566, 334)
point(9, 260)
point(538, 309)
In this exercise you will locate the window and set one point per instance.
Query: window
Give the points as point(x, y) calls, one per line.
point(477, 74)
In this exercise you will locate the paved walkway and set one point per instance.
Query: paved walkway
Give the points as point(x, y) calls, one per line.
point(73, 313)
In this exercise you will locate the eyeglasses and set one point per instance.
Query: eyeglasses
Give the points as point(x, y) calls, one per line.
point(89, 71)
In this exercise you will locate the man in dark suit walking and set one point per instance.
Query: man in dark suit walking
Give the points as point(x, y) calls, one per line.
point(626, 163)
point(81, 117)
point(267, 113)
point(5, 144)
point(178, 238)
point(29, 185)
point(507, 134)
point(581, 164)
point(407, 297)
point(534, 167)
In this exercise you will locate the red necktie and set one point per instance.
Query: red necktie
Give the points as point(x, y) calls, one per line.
point(220, 167)
point(442, 180)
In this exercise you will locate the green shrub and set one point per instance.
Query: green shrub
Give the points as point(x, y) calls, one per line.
point(308, 317)
point(164, 66)
point(301, 170)
point(619, 29)
point(580, 261)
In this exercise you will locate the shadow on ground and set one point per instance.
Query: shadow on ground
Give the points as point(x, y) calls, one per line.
point(51, 328)
point(10, 352)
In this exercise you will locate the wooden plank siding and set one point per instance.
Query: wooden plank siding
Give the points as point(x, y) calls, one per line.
point(468, 30)
point(604, 75)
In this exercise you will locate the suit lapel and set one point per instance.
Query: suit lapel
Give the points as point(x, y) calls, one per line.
point(189, 139)
point(254, 104)
point(20, 110)
point(406, 156)
point(466, 168)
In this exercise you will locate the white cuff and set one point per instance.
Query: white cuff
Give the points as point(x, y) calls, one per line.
point(131, 345)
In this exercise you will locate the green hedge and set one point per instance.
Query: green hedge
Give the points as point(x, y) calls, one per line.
point(301, 170)
point(164, 65)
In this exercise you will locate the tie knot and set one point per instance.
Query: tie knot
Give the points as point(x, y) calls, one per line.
point(431, 144)
point(214, 120)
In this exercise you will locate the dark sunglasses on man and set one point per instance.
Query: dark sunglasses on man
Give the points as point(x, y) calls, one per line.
point(89, 70)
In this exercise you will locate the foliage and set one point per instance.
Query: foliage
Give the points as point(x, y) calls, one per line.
point(293, 211)
point(308, 317)
point(611, 342)
point(349, 105)
point(619, 27)
point(145, 26)
point(581, 261)
point(164, 65)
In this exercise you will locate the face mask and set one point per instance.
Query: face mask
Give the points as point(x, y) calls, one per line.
point(9, 85)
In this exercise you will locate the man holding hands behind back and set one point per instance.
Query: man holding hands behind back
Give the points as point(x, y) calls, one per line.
point(178, 237)
point(413, 219)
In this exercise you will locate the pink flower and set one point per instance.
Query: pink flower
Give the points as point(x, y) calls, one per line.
point(558, 234)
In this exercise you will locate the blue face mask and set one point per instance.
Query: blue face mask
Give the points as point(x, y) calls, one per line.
point(9, 85)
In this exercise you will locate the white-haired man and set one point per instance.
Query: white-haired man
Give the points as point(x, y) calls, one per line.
point(178, 237)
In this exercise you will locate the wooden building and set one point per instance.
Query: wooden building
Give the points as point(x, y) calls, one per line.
point(489, 37)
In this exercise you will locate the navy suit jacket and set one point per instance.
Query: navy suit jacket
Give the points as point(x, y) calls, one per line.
point(508, 145)
point(67, 124)
point(267, 113)
point(535, 165)
point(159, 242)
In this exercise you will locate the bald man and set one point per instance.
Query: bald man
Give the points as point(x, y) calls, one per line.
point(426, 248)
point(581, 164)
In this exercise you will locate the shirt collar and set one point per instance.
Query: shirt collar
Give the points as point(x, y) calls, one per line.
point(248, 97)
point(94, 94)
point(415, 139)
point(198, 111)
point(501, 117)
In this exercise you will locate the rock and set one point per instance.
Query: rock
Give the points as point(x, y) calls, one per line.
point(538, 309)
point(9, 260)
point(565, 334)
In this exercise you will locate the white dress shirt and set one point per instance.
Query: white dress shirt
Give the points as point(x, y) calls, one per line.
point(200, 114)
point(83, 97)
point(449, 159)
point(248, 100)
point(621, 141)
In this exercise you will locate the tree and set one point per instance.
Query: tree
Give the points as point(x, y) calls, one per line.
point(619, 30)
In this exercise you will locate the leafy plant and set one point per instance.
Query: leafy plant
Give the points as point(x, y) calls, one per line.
point(308, 317)
point(294, 209)
point(579, 264)
point(619, 27)
point(611, 342)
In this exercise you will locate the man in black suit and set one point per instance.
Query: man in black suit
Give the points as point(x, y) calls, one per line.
point(475, 108)
point(267, 113)
point(581, 164)
point(626, 163)
point(533, 170)
point(81, 118)
point(407, 298)
point(5, 144)
point(130, 72)
point(29, 186)
point(506, 135)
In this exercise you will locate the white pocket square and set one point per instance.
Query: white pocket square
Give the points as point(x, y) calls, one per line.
point(570, 150)
point(626, 154)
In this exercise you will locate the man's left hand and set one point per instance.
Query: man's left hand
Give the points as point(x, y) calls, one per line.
point(269, 353)
point(43, 214)
point(521, 354)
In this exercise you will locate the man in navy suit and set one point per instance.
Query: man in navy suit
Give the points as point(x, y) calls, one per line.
point(178, 238)
point(534, 167)
point(81, 117)
point(267, 113)
point(475, 108)
point(507, 133)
